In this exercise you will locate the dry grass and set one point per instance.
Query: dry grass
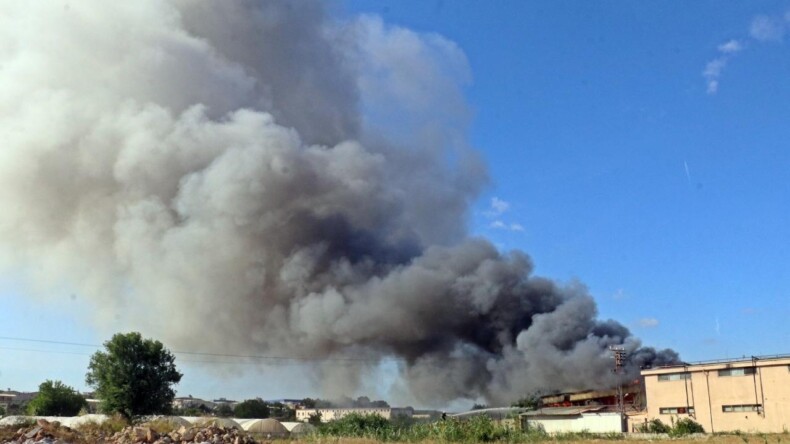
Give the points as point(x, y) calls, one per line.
point(105, 428)
point(776, 438)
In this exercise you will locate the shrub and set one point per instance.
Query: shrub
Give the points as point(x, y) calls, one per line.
point(108, 427)
point(251, 408)
point(56, 399)
point(685, 426)
point(654, 426)
point(358, 426)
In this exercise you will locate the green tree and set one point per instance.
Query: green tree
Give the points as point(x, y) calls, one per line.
point(134, 376)
point(251, 408)
point(314, 419)
point(224, 410)
point(281, 411)
point(56, 399)
point(2, 411)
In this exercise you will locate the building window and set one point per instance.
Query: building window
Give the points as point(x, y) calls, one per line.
point(737, 371)
point(676, 410)
point(742, 408)
point(674, 376)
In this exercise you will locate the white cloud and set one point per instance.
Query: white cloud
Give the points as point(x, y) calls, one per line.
point(712, 73)
point(648, 322)
point(765, 28)
point(500, 225)
point(498, 206)
point(730, 47)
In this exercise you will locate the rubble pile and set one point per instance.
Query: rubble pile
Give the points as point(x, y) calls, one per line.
point(45, 432)
point(206, 434)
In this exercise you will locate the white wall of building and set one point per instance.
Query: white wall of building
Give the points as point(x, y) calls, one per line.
point(586, 422)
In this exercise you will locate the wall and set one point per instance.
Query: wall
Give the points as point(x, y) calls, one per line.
point(586, 422)
point(707, 393)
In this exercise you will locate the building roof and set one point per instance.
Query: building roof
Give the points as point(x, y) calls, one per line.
point(493, 412)
point(564, 411)
point(721, 363)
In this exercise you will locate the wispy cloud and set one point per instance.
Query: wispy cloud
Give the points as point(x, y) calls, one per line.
point(497, 207)
point(762, 28)
point(766, 28)
point(730, 47)
point(619, 295)
point(648, 322)
point(714, 68)
point(500, 225)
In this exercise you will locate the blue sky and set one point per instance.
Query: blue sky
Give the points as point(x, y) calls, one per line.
point(613, 162)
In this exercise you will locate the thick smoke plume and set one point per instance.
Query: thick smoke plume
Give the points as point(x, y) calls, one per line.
point(233, 176)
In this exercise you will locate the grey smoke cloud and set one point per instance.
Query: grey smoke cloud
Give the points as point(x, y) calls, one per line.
point(220, 175)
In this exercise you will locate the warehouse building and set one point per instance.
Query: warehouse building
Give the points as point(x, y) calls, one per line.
point(749, 394)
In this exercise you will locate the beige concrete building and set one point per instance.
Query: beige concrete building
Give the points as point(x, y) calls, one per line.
point(330, 414)
point(750, 394)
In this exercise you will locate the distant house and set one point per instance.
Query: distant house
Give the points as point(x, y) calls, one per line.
point(189, 402)
point(222, 401)
point(7, 399)
point(290, 403)
point(331, 414)
point(13, 401)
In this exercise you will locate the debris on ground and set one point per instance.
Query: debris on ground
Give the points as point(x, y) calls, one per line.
point(46, 432)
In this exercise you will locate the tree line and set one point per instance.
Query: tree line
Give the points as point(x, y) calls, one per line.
point(132, 377)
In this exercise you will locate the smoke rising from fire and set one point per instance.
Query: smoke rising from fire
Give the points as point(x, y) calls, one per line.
point(235, 176)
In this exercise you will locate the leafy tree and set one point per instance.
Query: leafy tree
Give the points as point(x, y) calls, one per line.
point(224, 410)
point(134, 376)
point(2, 411)
point(56, 399)
point(193, 411)
point(314, 419)
point(281, 411)
point(251, 408)
point(308, 403)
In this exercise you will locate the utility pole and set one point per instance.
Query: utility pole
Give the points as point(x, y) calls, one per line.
point(619, 357)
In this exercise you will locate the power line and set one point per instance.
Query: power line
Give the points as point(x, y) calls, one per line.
point(279, 360)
